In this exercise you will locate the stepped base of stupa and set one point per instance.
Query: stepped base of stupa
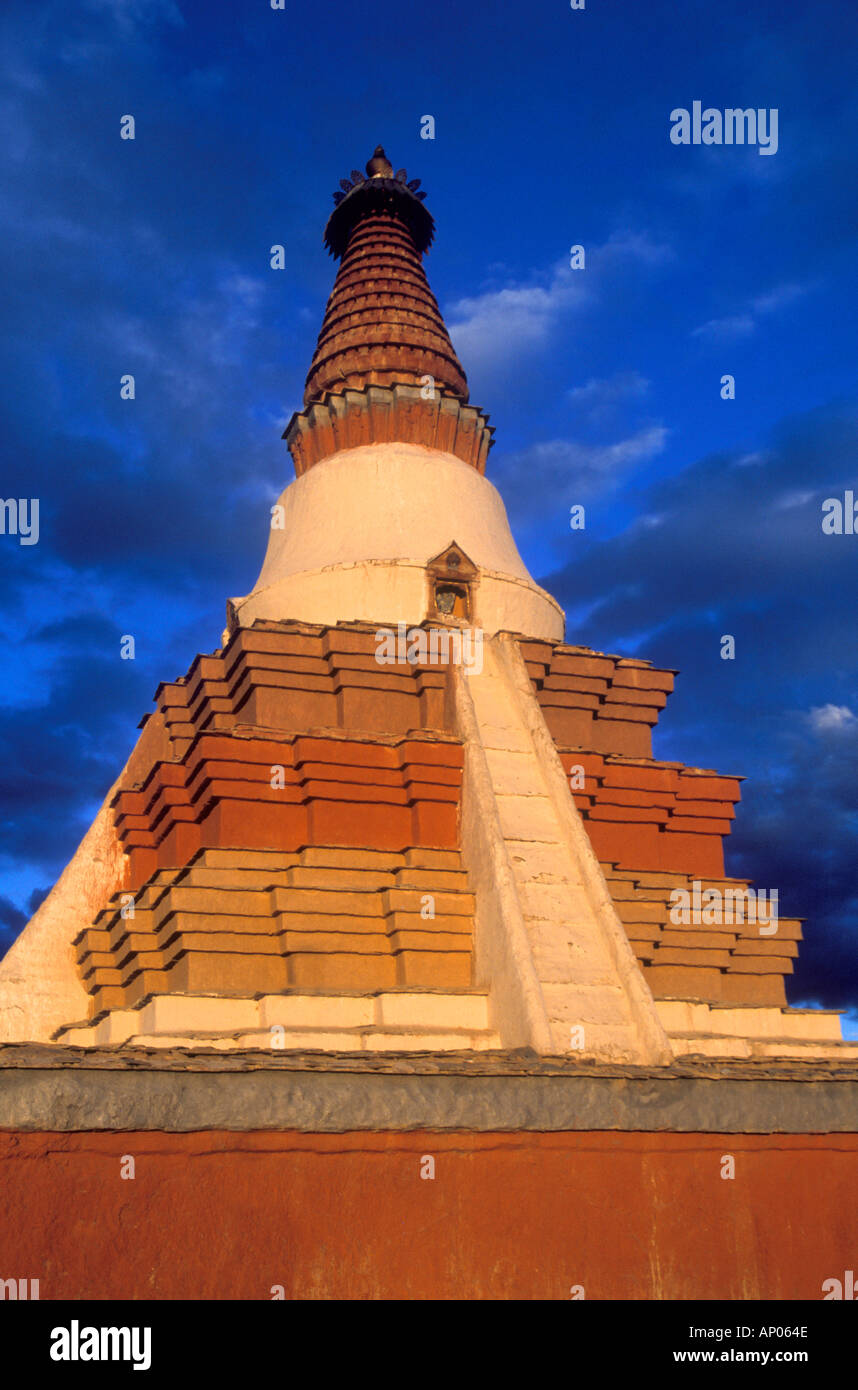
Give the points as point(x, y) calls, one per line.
point(311, 849)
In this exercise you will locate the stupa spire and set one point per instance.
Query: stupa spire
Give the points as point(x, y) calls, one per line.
point(382, 325)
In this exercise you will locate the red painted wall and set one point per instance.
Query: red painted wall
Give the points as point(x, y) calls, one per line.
point(629, 1216)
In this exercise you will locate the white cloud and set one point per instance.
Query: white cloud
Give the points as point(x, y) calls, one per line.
point(825, 719)
point(755, 460)
point(720, 330)
point(637, 246)
point(495, 329)
point(796, 498)
point(129, 15)
point(742, 324)
point(597, 397)
point(778, 297)
point(601, 459)
point(565, 468)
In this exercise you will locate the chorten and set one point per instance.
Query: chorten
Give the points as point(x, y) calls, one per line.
point(393, 943)
point(395, 810)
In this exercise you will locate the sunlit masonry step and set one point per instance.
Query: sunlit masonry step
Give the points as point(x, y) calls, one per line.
point(578, 974)
point(706, 1030)
point(402, 1020)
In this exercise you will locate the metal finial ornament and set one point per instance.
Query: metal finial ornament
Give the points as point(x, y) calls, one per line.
point(380, 190)
point(379, 167)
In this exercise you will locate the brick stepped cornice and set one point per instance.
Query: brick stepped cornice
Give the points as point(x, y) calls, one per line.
point(723, 962)
point(643, 813)
point(298, 676)
point(607, 704)
point(384, 415)
point(321, 918)
point(366, 749)
point(388, 795)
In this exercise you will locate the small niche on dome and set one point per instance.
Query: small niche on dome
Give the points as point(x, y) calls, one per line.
point(451, 600)
point(452, 581)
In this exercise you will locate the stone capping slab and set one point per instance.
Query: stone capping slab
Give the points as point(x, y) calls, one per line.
point(65, 1089)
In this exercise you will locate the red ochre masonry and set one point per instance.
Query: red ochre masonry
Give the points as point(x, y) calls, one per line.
point(654, 815)
point(334, 791)
point(507, 1216)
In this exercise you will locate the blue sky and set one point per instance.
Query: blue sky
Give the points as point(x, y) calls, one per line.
point(551, 129)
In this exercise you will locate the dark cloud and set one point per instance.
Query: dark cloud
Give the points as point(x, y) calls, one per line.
point(798, 834)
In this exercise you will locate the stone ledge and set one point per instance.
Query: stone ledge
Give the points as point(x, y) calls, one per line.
point(63, 1089)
